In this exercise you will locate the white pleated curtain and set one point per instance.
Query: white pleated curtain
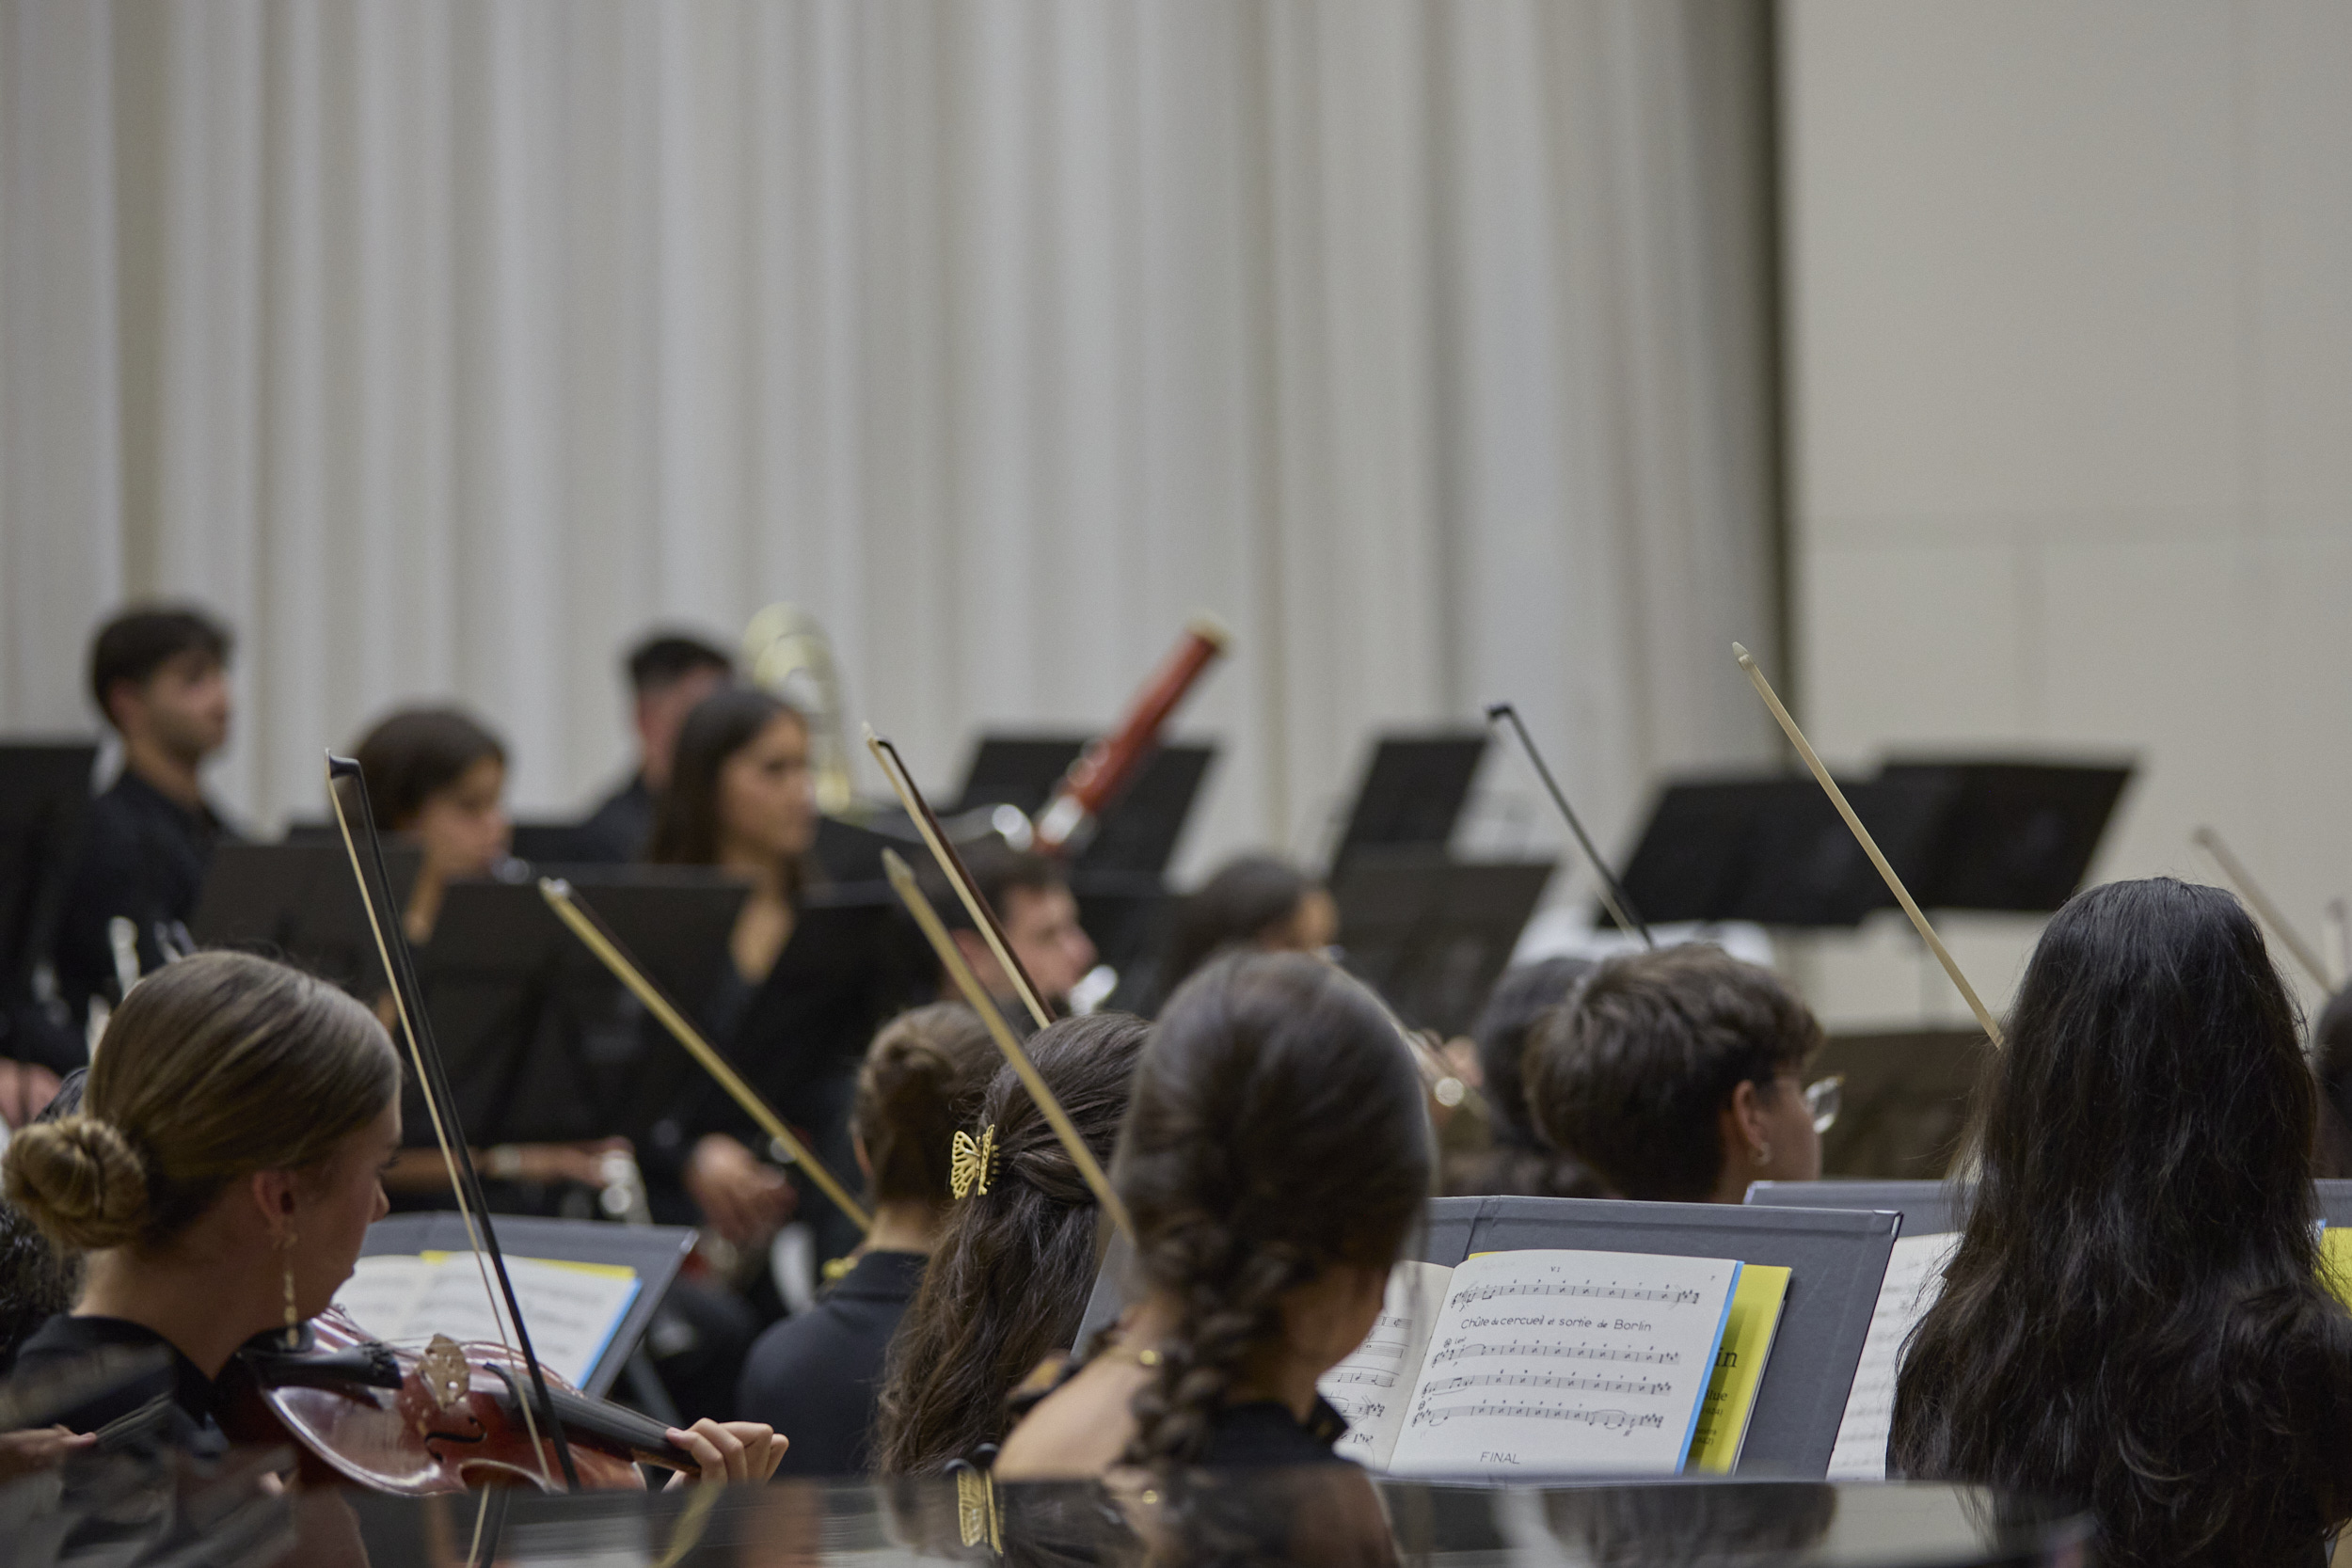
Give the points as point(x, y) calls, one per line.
point(444, 344)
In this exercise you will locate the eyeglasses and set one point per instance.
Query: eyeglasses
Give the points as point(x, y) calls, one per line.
point(1824, 1097)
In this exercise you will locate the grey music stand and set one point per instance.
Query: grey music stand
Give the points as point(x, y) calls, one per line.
point(654, 1251)
point(1928, 1207)
point(1836, 1259)
point(1937, 1208)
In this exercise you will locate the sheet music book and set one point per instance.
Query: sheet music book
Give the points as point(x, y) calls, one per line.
point(572, 1309)
point(1542, 1362)
point(1914, 1275)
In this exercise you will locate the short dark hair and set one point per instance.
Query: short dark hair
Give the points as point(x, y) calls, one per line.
point(137, 643)
point(1249, 896)
point(1632, 1075)
point(997, 869)
point(416, 753)
point(666, 657)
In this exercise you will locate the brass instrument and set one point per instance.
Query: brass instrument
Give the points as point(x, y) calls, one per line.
point(787, 652)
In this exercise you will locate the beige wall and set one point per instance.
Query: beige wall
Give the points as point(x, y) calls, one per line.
point(2071, 374)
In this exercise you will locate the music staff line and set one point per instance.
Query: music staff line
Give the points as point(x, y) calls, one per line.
point(1667, 1296)
point(1561, 1352)
point(1608, 1421)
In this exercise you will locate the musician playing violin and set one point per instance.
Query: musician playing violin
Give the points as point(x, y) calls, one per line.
point(221, 1176)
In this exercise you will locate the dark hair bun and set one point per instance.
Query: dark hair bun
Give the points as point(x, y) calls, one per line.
point(80, 1180)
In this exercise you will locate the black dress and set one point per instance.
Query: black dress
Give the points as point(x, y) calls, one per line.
point(816, 1377)
point(178, 1406)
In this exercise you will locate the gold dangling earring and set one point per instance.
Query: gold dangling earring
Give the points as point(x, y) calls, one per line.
point(294, 1319)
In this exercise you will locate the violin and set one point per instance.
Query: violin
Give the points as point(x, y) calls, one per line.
point(448, 1417)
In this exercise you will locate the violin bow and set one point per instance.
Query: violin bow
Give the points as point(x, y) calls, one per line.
point(1613, 894)
point(343, 775)
point(1869, 845)
point(597, 938)
point(2250, 890)
point(903, 879)
point(992, 931)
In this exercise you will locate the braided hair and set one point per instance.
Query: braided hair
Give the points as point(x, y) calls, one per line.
point(1008, 1281)
point(1278, 1130)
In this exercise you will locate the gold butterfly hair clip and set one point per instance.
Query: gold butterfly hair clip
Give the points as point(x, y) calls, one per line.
point(972, 1164)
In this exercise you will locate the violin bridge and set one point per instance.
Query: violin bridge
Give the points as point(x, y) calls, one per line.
point(443, 1368)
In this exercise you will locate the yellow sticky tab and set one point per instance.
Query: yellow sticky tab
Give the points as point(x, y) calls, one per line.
point(1748, 1331)
point(2335, 1261)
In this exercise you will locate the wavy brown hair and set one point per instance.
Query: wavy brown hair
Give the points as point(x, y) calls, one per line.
point(1278, 1130)
point(2134, 1319)
point(1009, 1279)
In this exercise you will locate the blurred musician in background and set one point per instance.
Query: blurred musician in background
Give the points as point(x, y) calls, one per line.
point(669, 672)
point(1007, 1283)
point(2137, 1318)
point(922, 1083)
point(1030, 894)
point(1677, 1076)
point(160, 675)
point(740, 799)
point(437, 776)
point(1519, 1162)
point(1256, 901)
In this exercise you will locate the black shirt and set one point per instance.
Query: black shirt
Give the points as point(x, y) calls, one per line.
point(143, 859)
point(1263, 1433)
point(816, 1377)
point(619, 830)
point(179, 1405)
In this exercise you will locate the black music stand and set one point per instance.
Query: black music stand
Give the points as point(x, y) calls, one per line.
point(45, 799)
point(559, 844)
point(297, 902)
point(1412, 794)
point(653, 1252)
point(1134, 834)
point(542, 1044)
point(2016, 836)
point(1773, 850)
point(1938, 1208)
point(1430, 934)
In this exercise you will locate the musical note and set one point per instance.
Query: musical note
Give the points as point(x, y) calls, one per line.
point(1591, 1292)
point(1608, 1421)
point(1648, 1354)
point(1550, 1380)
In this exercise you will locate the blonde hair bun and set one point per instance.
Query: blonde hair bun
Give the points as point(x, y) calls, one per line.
point(80, 1180)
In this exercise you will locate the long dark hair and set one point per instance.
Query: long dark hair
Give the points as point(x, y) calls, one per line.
point(1278, 1130)
point(1249, 896)
point(686, 823)
point(413, 755)
point(2134, 1319)
point(1009, 1279)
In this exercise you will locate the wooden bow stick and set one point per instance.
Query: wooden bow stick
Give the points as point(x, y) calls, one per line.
point(1869, 845)
point(2251, 892)
point(902, 784)
point(593, 936)
point(902, 879)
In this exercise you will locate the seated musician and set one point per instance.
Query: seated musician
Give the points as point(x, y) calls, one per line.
point(1009, 1280)
point(923, 1079)
point(1255, 901)
point(1030, 894)
point(1519, 1162)
point(438, 777)
point(2135, 1320)
point(1275, 1157)
point(1677, 1076)
point(159, 677)
point(741, 800)
point(221, 1175)
point(669, 674)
